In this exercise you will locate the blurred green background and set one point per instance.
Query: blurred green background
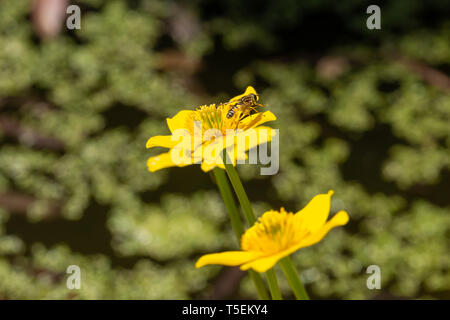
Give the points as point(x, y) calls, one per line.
point(363, 112)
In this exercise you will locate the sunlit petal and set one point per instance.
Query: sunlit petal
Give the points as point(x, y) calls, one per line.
point(313, 216)
point(256, 119)
point(182, 120)
point(161, 161)
point(265, 263)
point(228, 258)
point(248, 91)
point(339, 219)
point(161, 141)
point(251, 138)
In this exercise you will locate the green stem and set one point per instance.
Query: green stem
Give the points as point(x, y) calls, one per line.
point(238, 226)
point(251, 219)
point(227, 196)
point(240, 192)
point(273, 285)
point(259, 284)
point(293, 279)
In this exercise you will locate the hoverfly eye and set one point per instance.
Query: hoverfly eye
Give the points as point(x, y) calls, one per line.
point(254, 96)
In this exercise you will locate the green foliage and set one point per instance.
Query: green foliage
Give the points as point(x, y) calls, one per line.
point(358, 116)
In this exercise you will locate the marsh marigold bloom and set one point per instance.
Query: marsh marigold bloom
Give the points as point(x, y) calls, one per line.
point(278, 234)
point(199, 136)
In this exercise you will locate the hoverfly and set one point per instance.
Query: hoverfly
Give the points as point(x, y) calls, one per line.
point(245, 104)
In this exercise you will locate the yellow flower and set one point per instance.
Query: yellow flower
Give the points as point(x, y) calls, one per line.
point(199, 136)
point(278, 234)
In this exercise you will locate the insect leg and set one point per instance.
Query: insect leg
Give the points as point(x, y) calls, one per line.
point(241, 116)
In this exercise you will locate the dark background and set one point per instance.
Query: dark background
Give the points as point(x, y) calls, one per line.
point(363, 112)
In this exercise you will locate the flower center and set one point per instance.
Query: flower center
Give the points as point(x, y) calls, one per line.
point(274, 232)
point(215, 117)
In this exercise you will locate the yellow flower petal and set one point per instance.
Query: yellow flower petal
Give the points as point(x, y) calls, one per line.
point(265, 263)
point(339, 219)
point(316, 212)
point(165, 160)
point(161, 161)
point(209, 166)
point(182, 120)
point(228, 258)
point(248, 91)
point(256, 119)
point(246, 140)
point(212, 152)
point(161, 141)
